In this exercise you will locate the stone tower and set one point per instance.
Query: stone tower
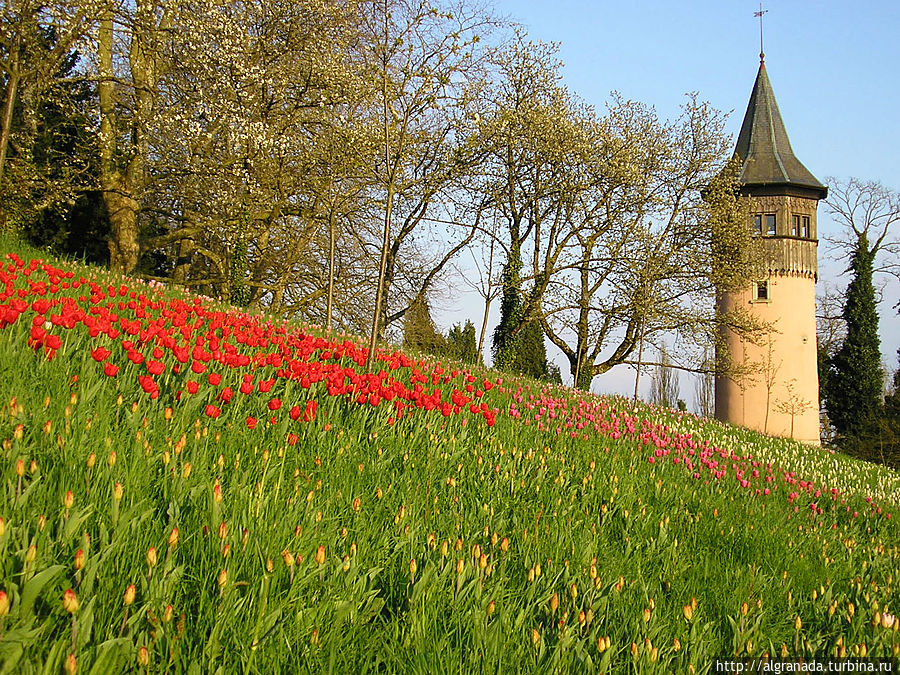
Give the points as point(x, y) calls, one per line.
point(780, 393)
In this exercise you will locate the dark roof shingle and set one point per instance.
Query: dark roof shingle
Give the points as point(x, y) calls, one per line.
point(763, 145)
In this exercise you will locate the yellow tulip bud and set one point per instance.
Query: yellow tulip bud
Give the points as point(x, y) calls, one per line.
point(70, 601)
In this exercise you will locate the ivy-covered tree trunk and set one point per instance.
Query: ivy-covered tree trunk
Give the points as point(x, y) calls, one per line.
point(505, 344)
point(517, 348)
point(854, 385)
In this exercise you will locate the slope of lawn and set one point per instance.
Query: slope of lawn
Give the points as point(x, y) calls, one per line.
point(190, 488)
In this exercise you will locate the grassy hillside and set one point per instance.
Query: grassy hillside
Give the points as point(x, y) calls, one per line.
point(189, 488)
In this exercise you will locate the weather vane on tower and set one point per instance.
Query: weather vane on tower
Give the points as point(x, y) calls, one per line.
point(762, 54)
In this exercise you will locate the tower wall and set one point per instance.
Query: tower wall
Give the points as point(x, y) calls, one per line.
point(776, 390)
point(783, 377)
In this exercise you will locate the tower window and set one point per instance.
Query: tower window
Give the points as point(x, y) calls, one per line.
point(761, 291)
point(767, 221)
point(800, 226)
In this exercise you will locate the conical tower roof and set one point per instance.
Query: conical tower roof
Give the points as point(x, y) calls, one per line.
point(763, 146)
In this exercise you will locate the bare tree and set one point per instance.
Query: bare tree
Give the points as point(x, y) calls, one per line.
point(792, 404)
point(869, 210)
point(704, 387)
point(424, 53)
point(664, 382)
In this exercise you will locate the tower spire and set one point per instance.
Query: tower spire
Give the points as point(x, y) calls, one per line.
point(760, 13)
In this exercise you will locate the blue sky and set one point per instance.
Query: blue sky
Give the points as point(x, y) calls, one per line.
point(833, 67)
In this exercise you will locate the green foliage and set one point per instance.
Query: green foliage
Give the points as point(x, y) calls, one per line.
point(854, 384)
point(48, 194)
point(889, 436)
point(80, 231)
point(461, 344)
point(419, 332)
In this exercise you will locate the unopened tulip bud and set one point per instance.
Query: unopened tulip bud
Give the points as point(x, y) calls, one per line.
point(151, 557)
point(20, 468)
point(31, 554)
point(223, 578)
point(143, 657)
point(320, 555)
point(412, 567)
point(4, 603)
point(554, 603)
point(535, 637)
point(70, 601)
point(91, 460)
point(460, 565)
point(118, 491)
point(798, 624)
point(71, 665)
point(111, 460)
point(167, 614)
point(223, 530)
point(2, 527)
point(217, 493)
point(69, 500)
point(79, 559)
point(42, 522)
point(130, 592)
point(490, 607)
point(173, 538)
point(744, 609)
point(288, 558)
point(186, 471)
point(688, 612)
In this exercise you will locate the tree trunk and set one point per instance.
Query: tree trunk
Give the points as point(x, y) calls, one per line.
point(9, 105)
point(124, 242)
point(182, 271)
point(124, 245)
point(484, 322)
point(329, 312)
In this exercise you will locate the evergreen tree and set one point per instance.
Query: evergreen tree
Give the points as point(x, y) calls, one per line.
point(419, 331)
point(854, 383)
point(461, 345)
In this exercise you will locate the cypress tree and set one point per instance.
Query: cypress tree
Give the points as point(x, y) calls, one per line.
point(854, 385)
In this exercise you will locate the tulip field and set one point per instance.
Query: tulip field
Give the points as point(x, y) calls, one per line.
point(187, 487)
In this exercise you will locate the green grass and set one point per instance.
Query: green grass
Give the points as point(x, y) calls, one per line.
point(583, 538)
